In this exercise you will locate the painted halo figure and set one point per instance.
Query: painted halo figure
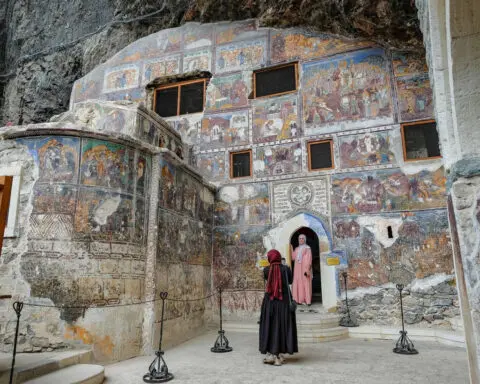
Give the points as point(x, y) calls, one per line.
point(278, 324)
point(302, 273)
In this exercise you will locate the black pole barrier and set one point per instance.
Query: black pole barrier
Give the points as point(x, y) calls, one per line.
point(403, 346)
point(17, 307)
point(347, 320)
point(221, 344)
point(158, 370)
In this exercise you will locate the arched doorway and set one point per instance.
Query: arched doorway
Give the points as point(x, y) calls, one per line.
point(314, 244)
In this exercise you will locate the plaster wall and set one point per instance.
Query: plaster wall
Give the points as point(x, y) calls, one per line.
point(351, 91)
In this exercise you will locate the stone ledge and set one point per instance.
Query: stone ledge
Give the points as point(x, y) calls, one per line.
point(453, 338)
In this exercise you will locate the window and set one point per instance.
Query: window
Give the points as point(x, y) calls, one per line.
point(420, 140)
point(320, 155)
point(180, 98)
point(241, 164)
point(275, 81)
point(390, 232)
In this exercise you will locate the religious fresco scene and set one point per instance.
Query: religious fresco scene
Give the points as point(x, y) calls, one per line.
point(278, 160)
point(276, 119)
point(243, 204)
point(154, 204)
point(370, 149)
point(388, 190)
point(421, 245)
point(212, 165)
point(351, 87)
point(230, 91)
point(224, 130)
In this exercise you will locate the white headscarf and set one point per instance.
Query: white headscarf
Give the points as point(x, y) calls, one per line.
point(300, 248)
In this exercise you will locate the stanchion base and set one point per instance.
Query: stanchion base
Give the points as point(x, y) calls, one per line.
point(221, 344)
point(404, 346)
point(347, 321)
point(158, 370)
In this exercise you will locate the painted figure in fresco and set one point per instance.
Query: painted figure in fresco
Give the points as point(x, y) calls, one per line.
point(302, 273)
point(278, 324)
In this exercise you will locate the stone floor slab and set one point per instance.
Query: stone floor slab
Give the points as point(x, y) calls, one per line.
point(354, 361)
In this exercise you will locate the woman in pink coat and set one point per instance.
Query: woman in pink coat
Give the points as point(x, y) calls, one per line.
point(302, 273)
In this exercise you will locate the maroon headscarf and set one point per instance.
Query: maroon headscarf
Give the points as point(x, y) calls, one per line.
point(274, 282)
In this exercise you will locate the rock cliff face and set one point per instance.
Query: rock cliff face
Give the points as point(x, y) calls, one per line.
point(45, 45)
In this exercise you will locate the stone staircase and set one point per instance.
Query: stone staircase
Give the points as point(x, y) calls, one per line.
point(67, 367)
point(314, 325)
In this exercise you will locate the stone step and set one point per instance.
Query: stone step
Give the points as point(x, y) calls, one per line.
point(31, 365)
point(310, 328)
point(75, 374)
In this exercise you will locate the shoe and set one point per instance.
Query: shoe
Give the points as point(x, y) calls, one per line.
point(269, 359)
point(282, 359)
point(277, 362)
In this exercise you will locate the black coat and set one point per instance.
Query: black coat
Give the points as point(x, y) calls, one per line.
point(278, 325)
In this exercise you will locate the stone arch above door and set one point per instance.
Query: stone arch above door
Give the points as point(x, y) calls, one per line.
point(279, 238)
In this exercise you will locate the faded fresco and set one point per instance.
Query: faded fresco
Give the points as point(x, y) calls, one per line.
point(224, 130)
point(146, 130)
point(165, 66)
point(278, 160)
point(240, 56)
point(212, 165)
point(182, 193)
point(415, 97)
point(276, 119)
point(373, 148)
point(167, 188)
point(227, 92)
point(295, 44)
point(54, 198)
point(388, 190)
point(166, 41)
point(243, 204)
point(420, 246)
point(196, 36)
point(183, 240)
point(136, 95)
point(197, 61)
point(353, 87)
point(188, 127)
point(144, 164)
point(120, 78)
point(86, 88)
point(229, 32)
point(58, 158)
point(106, 164)
point(103, 215)
point(235, 252)
point(408, 63)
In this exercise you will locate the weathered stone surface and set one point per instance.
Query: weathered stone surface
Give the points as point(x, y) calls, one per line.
point(50, 45)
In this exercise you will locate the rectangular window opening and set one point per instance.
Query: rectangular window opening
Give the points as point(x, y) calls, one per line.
point(320, 155)
point(241, 164)
point(390, 232)
point(420, 140)
point(180, 98)
point(275, 81)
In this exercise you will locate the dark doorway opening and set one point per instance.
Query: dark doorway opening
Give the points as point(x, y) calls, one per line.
point(312, 241)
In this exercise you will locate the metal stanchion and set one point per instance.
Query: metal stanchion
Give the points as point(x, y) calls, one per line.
point(17, 307)
point(347, 320)
point(403, 345)
point(158, 370)
point(221, 344)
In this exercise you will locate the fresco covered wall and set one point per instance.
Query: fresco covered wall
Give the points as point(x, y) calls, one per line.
point(349, 91)
point(81, 240)
point(184, 250)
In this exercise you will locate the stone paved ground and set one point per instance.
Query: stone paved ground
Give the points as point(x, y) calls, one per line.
point(346, 361)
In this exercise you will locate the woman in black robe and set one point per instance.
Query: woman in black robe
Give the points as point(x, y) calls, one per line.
point(278, 325)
